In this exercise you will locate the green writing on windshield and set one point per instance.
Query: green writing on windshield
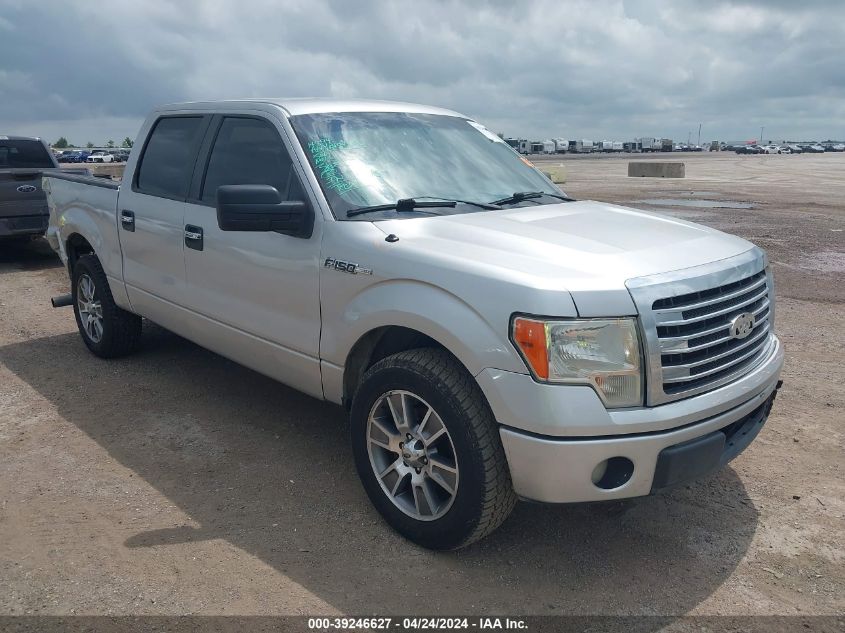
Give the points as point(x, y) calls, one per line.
point(324, 152)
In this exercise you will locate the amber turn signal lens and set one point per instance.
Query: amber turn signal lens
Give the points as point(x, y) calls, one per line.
point(530, 338)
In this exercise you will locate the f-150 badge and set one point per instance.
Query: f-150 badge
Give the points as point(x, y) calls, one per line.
point(347, 267)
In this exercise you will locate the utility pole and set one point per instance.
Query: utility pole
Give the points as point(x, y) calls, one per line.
point(699, 134)
point(761, 134)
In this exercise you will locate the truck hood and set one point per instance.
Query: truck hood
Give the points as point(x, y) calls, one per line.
point(588, 248)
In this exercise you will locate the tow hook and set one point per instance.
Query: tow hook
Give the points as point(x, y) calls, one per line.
point(62, 301)
point(771, 400)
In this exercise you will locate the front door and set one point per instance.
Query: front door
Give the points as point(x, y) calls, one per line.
point(255, 294)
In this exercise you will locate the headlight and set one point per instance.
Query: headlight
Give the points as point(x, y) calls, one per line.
point(604, 353)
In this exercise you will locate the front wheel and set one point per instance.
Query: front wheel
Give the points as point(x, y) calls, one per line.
point(428, 451)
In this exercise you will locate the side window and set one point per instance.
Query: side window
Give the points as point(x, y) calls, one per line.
point(168, 160)
point(249, 152)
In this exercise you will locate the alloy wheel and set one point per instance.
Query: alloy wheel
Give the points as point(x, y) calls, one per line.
point(90, 308)
point(412, 455)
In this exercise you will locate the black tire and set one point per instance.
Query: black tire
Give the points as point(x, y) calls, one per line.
point(484, 496)
point(121, 330)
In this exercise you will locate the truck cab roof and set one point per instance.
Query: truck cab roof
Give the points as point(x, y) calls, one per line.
point(308, 105)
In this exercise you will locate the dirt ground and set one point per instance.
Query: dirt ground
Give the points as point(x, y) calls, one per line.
point(176, 482)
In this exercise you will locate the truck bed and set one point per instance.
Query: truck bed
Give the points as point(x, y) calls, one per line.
point(83, 178)
point(77, 200)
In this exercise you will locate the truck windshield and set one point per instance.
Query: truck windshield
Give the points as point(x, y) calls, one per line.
point(23, 154)
point(378, 158)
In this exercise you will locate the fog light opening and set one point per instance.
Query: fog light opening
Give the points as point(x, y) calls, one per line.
point(612, 473)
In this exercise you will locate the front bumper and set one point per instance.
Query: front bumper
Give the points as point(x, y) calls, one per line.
point(706, 432)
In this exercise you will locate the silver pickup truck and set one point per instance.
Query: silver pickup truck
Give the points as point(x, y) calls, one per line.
point(491, 338)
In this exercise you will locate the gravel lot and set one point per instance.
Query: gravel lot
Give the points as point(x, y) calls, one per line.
point(176, 482)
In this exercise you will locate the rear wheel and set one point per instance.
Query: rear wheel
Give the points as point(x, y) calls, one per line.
point(107, 330)
point(428, 451)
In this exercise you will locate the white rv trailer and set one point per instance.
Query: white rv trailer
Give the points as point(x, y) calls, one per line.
point(582, 146)
point(650, 144)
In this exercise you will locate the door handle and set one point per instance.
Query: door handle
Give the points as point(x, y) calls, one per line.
point(127, 220)
point(193, 237)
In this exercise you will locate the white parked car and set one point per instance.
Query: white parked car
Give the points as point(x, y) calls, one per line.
point(100, 156)
point(772, 149)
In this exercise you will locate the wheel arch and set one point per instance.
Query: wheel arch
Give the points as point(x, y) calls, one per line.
point(79, 234)
point(76, 245)
point(93, 231)
point(379, 343)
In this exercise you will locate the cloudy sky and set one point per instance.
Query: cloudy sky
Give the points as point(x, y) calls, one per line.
point(591, 69)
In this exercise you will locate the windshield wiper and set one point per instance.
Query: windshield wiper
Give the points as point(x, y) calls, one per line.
point(482, 205)
point(519, 196)
point(400, 206)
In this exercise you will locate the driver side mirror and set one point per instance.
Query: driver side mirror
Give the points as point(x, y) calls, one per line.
point(261, 208)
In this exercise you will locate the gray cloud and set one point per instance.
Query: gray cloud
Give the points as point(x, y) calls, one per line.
point(589, 69)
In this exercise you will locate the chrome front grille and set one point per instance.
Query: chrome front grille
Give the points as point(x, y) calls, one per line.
point(693, 333)
point(685, 319)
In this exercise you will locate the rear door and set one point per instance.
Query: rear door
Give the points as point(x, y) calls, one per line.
point(256, 294)
point(23, 206)
point(151, 209)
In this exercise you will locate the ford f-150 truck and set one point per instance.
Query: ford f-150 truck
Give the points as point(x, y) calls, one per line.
point(491, 338)
point(23, 209)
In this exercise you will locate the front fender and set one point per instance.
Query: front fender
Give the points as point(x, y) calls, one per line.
point(425, 308)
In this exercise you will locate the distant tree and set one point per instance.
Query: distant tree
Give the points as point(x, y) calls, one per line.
point(61, 143)
point(127, 143)
point(501, 135)
point(89, 145)
point(72, 146)
point(110, 143)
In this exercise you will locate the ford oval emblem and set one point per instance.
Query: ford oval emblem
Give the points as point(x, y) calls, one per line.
point(742, 324)
point(27, 188)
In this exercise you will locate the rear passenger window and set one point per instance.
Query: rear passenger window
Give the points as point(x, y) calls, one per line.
point(168, 160)
point(249, 152)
